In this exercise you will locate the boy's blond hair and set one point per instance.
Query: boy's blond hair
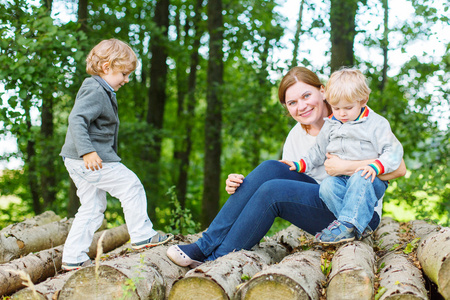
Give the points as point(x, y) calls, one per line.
point(118, 54)
point(347, 85)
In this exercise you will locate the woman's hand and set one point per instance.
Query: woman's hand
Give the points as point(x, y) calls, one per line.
point(233, 182)
point(335, 166)
point(92, 161)
point(290, 163)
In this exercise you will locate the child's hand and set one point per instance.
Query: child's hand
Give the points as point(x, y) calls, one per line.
point(92, 161)
point(290, 164)
point(368, 171)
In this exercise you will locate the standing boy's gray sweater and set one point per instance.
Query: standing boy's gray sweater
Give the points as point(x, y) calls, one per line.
point(367, 137)
point(93, 122)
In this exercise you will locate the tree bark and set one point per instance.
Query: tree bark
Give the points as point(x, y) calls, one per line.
point(156, 101)
point(213, 119)
point(342, 35)
point(353, 272)
point(47, 263)
point(218, 279)
point(400, 278)
point(190, 107)
point(291, 237)
point(297, 276)
point(47, 290)
point(387, 235)
point(434, 256)
point(42, 219)
point(17, 243)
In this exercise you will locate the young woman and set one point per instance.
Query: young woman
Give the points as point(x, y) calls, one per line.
point(271, 190)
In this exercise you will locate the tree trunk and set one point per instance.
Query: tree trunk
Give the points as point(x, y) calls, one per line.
point(213, 120)
point(144, 275)
point(218, 279)
point(47, 263)
point(387, 235)
point(47, 290)
point(156, 101)
point(342, 35)
point(17, 243)
point(400, 278)
point(434, 256)
point(297, 276)
point(191, 103)
point(298, 32)
point(45, 218)
point(292, 237)
point(353, 272)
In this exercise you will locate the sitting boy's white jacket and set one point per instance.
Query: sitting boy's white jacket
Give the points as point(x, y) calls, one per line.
point(368, 137)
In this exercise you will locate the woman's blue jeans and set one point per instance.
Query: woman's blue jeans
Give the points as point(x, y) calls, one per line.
point(352, 198)
point(271, 190)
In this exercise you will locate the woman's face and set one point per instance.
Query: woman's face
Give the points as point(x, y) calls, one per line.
point(306, 105)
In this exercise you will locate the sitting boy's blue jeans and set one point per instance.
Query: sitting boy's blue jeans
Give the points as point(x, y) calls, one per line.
point(352, 198)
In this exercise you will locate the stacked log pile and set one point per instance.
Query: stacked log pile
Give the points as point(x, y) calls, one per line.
point(400, 261)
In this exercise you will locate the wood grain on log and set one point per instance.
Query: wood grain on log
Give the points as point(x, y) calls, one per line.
point(401, 278)
point(19, 243)
point(353, 272)
point(218, 279)
point(387, 234)
point(39, 220)
point(297, 276)
point(47, 263)
point(433, 253)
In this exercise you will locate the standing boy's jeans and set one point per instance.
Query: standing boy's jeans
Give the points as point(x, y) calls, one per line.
point(271, 190)
point(352, 198)
point(119, 182)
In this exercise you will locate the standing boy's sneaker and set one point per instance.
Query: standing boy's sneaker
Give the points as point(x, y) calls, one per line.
point(76, 266)
point(156, 240)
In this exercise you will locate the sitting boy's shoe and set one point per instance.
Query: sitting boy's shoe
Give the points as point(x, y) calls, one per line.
point(181, 258)
point(336, 233)
point(155, 240)
point(76, 266)
point(367, 232)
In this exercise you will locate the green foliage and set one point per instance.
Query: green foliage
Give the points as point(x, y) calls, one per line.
point(181, 221)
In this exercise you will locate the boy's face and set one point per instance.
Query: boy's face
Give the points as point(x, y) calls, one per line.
point(116, 79)
point(346, 111)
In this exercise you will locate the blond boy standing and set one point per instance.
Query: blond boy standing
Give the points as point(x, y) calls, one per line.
point(90, 156)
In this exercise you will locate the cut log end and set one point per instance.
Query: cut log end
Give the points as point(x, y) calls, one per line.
point(356, 283)
point(110, 284)
point(27, 294)
point(273, 287)
point(194, 288)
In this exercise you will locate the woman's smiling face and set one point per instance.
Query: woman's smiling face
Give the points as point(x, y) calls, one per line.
point(306, 105)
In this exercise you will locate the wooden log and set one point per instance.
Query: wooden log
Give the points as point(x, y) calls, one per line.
point(145, 274)
point(353, 272)
point(47, 263)
point(387, 234)
point(46, 290)
point(421, 228)
point(42, 219)
point(433, 253)
point(400, 278)
point(218, 279)
point(292, 237)
point(297, 276)
point(18, 243)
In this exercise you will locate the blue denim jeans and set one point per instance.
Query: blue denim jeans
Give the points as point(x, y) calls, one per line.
point(271, 190)
point(352, 198)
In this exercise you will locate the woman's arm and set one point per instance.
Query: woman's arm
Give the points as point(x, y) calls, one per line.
point(336, 166)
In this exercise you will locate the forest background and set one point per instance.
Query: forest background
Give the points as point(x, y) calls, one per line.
point(203, 101)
